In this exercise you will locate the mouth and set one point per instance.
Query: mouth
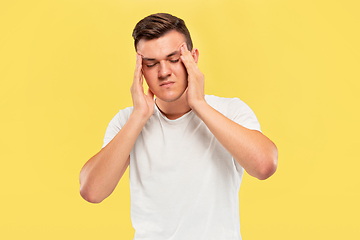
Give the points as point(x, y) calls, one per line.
point(166, 84)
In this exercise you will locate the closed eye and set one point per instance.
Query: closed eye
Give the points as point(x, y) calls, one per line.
point(150, 65)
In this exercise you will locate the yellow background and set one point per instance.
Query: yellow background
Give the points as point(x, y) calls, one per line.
point(66, 68)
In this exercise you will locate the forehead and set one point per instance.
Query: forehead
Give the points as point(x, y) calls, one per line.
point(161, 47)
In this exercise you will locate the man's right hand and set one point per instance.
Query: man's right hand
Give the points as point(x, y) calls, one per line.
point(102, 172)
point(143, 104)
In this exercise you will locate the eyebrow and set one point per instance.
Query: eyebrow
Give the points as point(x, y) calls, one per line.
point(169, 55)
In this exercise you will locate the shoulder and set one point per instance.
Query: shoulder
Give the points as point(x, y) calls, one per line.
point(222, 104)
point(121, 117)
point(126, 112)
point(234, 109)
point(116, 123)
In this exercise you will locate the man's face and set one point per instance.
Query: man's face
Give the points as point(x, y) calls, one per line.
point(163, 70)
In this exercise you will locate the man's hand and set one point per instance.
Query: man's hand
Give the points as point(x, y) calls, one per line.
point(101, 174)
point(250, 148)
point(195, 91)
point(143, 104)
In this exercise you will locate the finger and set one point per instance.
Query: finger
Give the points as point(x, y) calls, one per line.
point(150, 94)
point(187, 59)
point(138, 68)
point(137, 85)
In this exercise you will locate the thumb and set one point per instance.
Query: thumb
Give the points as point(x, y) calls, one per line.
point(150, 94)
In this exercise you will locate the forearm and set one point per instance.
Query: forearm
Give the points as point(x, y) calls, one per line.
point(251, 149)
point(101, 174)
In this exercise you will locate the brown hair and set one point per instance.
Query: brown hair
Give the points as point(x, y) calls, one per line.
point(157, 25)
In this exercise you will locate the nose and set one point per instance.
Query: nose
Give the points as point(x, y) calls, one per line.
point(164, 69)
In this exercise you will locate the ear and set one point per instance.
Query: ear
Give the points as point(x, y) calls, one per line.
point(195, 54)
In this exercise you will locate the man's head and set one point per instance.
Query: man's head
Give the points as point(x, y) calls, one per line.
point(157, 25)
point(158, 39)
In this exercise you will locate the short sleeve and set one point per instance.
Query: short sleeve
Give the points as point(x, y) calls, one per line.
point(241, 113)
point(116, 124)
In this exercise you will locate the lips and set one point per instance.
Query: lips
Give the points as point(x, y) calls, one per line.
point(165, 84)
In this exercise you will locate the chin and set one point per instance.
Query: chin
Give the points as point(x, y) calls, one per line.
point(170, 97)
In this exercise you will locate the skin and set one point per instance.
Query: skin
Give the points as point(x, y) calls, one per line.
point(172, 75)
point(161, 64)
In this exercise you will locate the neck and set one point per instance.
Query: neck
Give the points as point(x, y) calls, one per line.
point(175, 109)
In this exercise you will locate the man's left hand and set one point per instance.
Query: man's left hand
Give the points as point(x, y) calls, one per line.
point(195, 91)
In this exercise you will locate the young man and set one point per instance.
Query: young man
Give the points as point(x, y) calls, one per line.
point(186, 151)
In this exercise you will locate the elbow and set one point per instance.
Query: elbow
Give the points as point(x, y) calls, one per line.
point(267, 171)
point(268, 166)
point(89, 191)
point(90, 196)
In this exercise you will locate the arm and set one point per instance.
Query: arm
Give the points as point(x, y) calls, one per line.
point(101, 173)
point(251, 149)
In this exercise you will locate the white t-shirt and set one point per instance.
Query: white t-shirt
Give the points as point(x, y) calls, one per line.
point(184, 185)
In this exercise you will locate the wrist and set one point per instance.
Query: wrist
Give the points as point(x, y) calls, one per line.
point(200, 107)
point(196, 102)
point(139, 117)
